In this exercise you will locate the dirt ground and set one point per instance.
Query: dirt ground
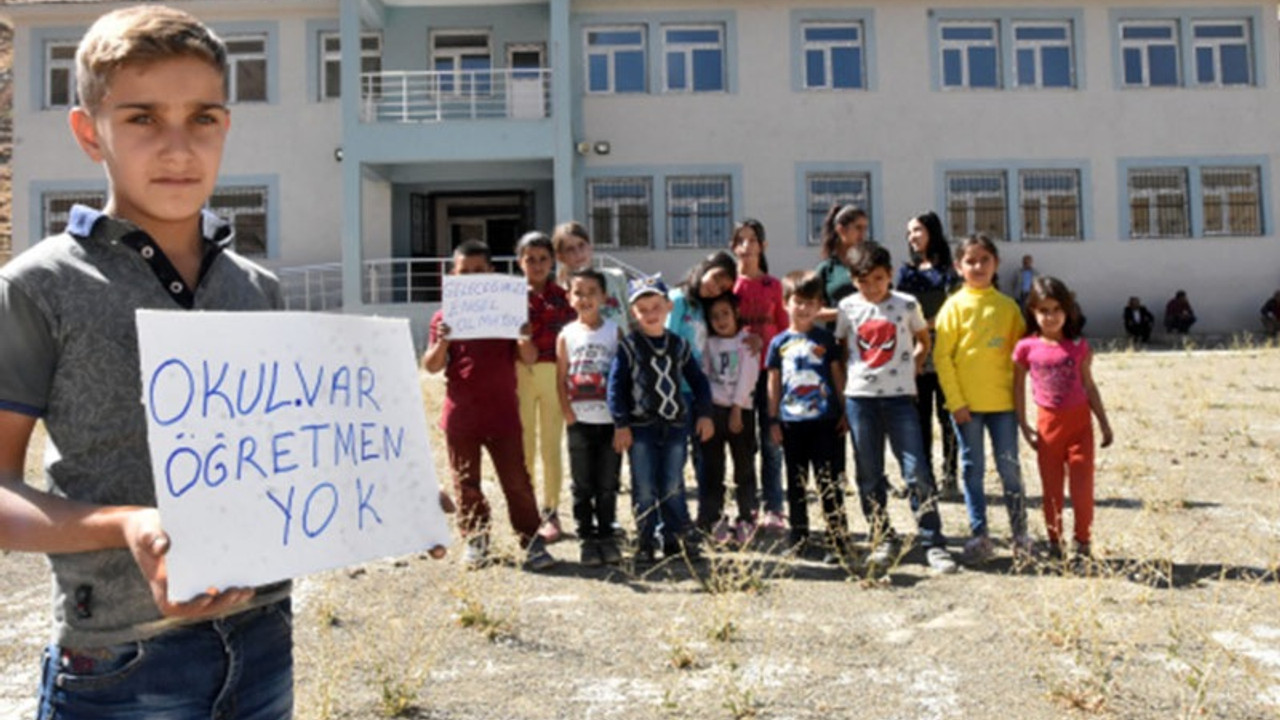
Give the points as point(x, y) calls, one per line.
point(1178, 618)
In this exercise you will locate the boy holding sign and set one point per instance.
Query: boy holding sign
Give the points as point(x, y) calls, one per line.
point(481, 411)
point(152, 83)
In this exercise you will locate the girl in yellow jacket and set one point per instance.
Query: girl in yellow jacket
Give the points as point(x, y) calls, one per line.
point(977, 328)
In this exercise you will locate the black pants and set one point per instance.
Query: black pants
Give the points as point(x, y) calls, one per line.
point(930, 402)
point(814, 444)
point(742, 447)
point(594, 466)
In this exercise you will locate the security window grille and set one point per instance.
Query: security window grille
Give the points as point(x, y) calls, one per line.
point(1149, 51)
point(1222, 52)
point(57, 207)
point(60, 74)
point(247, 56)
point(699, 212)
point(977, 202)
point(1232, 201)
point(621, 211)
point(1159, 206)
point(970, 55)
point(245, 207)
point(468, 51)
point(1050, 201)
point(331, 61)
point(694, 58)
point(826, 189)
point(833, 56)
point(1042, 55)
point(616, 59)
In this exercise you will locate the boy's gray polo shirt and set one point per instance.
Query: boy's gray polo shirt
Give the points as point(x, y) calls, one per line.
point(69, 355)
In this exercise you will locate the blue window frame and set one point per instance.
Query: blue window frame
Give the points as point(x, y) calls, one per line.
point(616, 59)
point(699, 211)
point(694, 58)
point(970, 55)
point(833, 56)
point(1150, 53)
point(1222, 52)
point(1043, 56)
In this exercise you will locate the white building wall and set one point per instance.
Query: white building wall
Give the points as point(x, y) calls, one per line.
point(909, 129)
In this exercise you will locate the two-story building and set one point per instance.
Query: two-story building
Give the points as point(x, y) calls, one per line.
point(1128, 146)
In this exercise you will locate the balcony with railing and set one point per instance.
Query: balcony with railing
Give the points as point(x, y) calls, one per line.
point(398, 96)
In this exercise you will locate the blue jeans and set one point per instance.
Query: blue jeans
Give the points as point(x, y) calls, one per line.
point(871, 420)
point(770, 452)
point(657, 482)
point(239, 667)
point(1003, 429)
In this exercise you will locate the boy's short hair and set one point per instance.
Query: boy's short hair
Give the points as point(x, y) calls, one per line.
point(866, 257)
point(589, 274)
point(473, 248)
point(534, 239)
point(805, 284)
point(137, 36)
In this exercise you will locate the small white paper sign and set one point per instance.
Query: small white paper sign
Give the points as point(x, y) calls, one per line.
point(284, 443)
point(484, 306)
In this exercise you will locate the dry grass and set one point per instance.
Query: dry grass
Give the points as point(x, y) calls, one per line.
point(1178, 617)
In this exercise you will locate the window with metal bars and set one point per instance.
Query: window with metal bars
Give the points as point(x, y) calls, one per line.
point(621, 212)
point(245, 207)
point(1232, 201)
point(699, 212)
point(1159, 206)
point(824, 189)
point(56, 207)
point(1050, 204)
point(977, 202)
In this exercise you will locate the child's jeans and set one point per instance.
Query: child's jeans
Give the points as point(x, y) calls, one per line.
point(871, 420)
point(742, 447)
point(507, 455)
point(1003, 429)
point(814, 443)
point(238, 667)
point(930, 401)
point(657, 479)
point(542, 421)
point(770, 453)
point(594, 465)
point(1066, 440)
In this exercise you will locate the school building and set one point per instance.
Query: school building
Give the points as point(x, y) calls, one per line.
point(1129, 146)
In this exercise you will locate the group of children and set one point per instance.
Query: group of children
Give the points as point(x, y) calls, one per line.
point(735, 358)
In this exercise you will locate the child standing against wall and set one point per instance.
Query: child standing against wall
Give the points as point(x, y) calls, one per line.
point(977, 328)
point(584, 354)
point(732, 368)
point(651, 419)
point(1060, 364)
point(806, 378)
point(481, 411)
point(574, 252)
point(887, 341)
point(540, 417)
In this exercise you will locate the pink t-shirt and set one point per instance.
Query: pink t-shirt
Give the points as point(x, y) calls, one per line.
point(1056, 380)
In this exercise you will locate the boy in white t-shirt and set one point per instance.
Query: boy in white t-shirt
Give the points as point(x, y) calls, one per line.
point(584, 353)
point(887, 342)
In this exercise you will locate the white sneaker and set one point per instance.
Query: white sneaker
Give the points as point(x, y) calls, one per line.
point(885, 552)
point(476, 554)
point(977, 550)
point(940, 561)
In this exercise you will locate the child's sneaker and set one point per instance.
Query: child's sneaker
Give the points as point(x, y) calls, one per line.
point(550, 531)
point(885, 552)
point(536, 557)
point(609, 552)
point(1024, 548)
point(722, 532)
point(940, 561)
point(591, 555)
point(744, 532)
point(476, 554)
point(977, 550)
point(772, 523)
point(645, 555)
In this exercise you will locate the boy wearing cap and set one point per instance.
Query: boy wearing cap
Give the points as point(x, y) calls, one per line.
point(650, 415)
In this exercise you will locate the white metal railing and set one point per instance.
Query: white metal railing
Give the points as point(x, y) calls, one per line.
point(390, 281)
point(400, 96)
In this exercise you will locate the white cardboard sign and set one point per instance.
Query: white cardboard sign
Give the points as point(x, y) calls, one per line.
point(484, 306)
point(284, 443)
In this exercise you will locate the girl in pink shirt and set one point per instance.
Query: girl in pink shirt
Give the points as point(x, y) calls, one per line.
point(763, 314)
point(1059, 362)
